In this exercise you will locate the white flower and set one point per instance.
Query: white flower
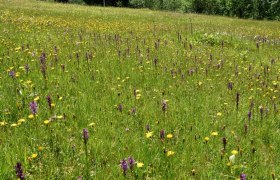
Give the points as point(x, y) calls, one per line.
point(232, 158)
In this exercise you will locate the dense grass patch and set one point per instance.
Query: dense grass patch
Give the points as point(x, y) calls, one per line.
point(189, 96)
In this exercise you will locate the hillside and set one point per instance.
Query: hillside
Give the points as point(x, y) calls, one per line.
point(113, 93)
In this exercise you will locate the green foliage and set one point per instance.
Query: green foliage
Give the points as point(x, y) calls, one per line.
point(77, 1)
point(100, 75)
point(256, 9)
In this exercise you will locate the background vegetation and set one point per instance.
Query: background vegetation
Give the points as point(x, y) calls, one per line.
point(186, 96)
point(256, 9)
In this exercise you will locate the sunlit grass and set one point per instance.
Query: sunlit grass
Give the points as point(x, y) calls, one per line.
point(161, 95)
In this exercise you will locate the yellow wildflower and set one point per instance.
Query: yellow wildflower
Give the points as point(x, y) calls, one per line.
point(31, 116)
point(36, 98)
point(169, 136)
point(170, 153)
point(138, 96)
point(14, 125)
point(139, 164)
point(91, 124)
point(149, 134)
point(215, 133)
point(21, 120)
point(3, 123)
point(40, 148)
point(34, 156)
point(46, 122)
point(59, 117)
point(234, 152)
point(206, 139)
point(219, 114)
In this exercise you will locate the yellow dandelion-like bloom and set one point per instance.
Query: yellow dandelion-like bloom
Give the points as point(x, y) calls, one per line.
point(17, 48)
point(60, 98)
point(215, 133)
point(138, 96)
point(169, 136)
point(219, 114)
point(3, 123)
point(234, 152)
point(52, 105)
point(21, 120)
point(149, 134)
point(14, 125)
point(199, 83)
point(17, 74)
point(31, 116)
point(170, 153)
point(34, 156)
point(206, 139)
point(59, 117)
point(91, 124)
point(140, 164)
point(40, 148)
point(46, 122)
point(36, 98)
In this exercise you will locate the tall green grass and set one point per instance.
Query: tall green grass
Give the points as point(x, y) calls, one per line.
point(127, 74)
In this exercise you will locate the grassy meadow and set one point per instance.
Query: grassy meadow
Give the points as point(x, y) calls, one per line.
point(115, 93)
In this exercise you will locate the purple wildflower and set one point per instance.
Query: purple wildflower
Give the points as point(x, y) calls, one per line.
point(162, 134)
point(49, 100)
point(43, 64)
point(43, 58)
point(33, 107)
point(85, 135)
point(12, 74)
point(242, 176)
point(19, 171)
point(124, 166)
point(249, 115)
point(131, 162)
point(230, 85)
point(27, 68)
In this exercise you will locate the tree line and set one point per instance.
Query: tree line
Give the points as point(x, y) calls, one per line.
point(255, 9)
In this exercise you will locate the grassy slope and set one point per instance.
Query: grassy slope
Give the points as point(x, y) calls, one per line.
point(119, 40)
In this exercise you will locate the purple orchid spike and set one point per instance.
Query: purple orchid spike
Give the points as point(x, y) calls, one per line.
point(85, 135)
point(33, 107)
point(124, 166)
point(19, 171)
